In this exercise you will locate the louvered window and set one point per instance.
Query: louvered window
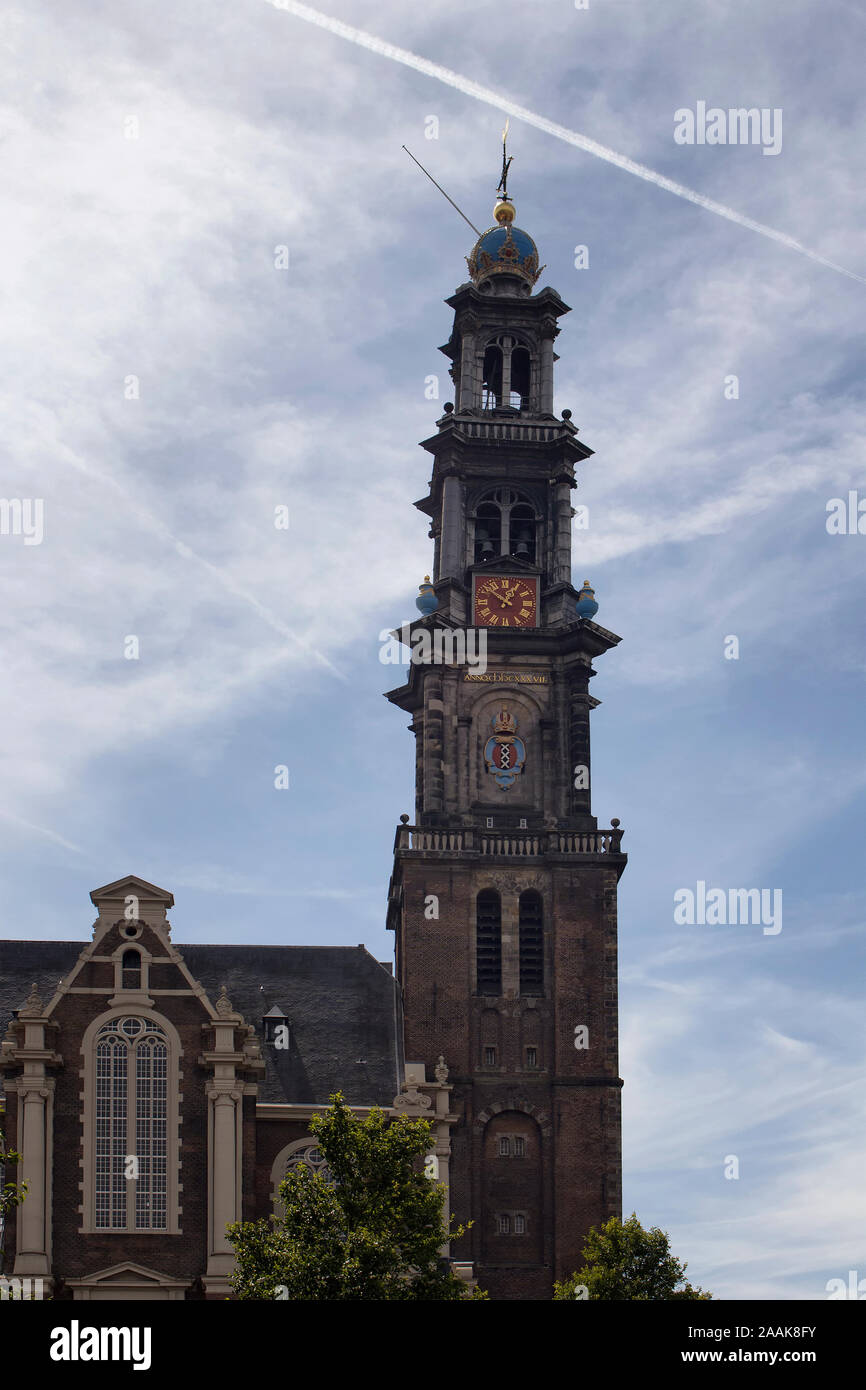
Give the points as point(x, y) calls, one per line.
point(531, 944)
point(488, 939)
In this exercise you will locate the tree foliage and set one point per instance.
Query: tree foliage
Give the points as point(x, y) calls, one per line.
point(623, 1262)
point(369, 1228)
point(12, 1194)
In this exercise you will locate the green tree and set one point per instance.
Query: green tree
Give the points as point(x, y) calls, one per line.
point(369, 1228)
point(12, 1194)
point(622, 1261)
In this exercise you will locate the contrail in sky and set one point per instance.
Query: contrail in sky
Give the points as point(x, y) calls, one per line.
point(223, 578)
point(572, 137)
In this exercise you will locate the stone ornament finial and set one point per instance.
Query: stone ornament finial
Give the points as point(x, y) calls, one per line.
point(33, 1005)
point(440, 1071)
point(410, 1098)
point(252, 1046)
point(223, 1004)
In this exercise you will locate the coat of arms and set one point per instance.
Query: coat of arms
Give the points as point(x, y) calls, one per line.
point(505, 753)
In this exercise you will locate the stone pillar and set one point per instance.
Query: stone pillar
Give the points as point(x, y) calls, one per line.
point(562, 534)
point(34, 1141)
point(510, 949)
point(417, 728)
point(225, 1160)
point(225, 1148)
point(452, 538)
point(450, 767)
point(548, 782)
point(35, 1105)
point(561, 782)
point(581, 798)
point(464, 723)
point(466, 384)
point(431, 1101)
point(545, 404)
point(434, 713)
point(506, 371)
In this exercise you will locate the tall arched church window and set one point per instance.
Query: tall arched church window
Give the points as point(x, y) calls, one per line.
point(130, 1134)
point(488, 942)
point(531, 943)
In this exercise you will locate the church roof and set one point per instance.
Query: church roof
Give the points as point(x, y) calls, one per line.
point(341, 1006)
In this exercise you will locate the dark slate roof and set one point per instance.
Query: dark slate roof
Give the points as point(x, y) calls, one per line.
point(342, 1007)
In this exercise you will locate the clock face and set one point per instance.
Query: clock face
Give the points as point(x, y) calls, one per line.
point(505, 600)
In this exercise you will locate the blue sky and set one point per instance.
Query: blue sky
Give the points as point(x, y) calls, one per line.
point(153, 257)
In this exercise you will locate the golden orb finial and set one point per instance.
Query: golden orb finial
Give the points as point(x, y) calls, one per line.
point(503, 212)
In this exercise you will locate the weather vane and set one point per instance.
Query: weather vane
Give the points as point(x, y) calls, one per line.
point(502, 190)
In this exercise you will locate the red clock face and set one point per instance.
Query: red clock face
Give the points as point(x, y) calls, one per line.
point(505, 600)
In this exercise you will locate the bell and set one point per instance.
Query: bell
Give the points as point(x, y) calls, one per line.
point(521, 548)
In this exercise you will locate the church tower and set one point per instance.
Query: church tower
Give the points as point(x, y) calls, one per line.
point(503, 894)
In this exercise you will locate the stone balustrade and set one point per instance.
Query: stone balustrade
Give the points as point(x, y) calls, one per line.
point(510, 844)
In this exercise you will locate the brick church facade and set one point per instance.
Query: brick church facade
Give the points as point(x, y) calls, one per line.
point(500, 1024)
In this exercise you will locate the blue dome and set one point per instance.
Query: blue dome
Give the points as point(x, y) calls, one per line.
point(504, 251)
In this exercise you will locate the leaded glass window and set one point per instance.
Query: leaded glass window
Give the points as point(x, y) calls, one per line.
point(131, 1123)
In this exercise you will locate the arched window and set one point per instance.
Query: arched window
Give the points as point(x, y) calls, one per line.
point(488, 532)
point(492, 377)
point(488, 942)
point(520, 377)
point(505, 523)
point(130, 967)
point(531, 943)
point(506, 374)
point(131, 1126)
point(522, 532)
point(301, 1153)
point(309, 1155)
